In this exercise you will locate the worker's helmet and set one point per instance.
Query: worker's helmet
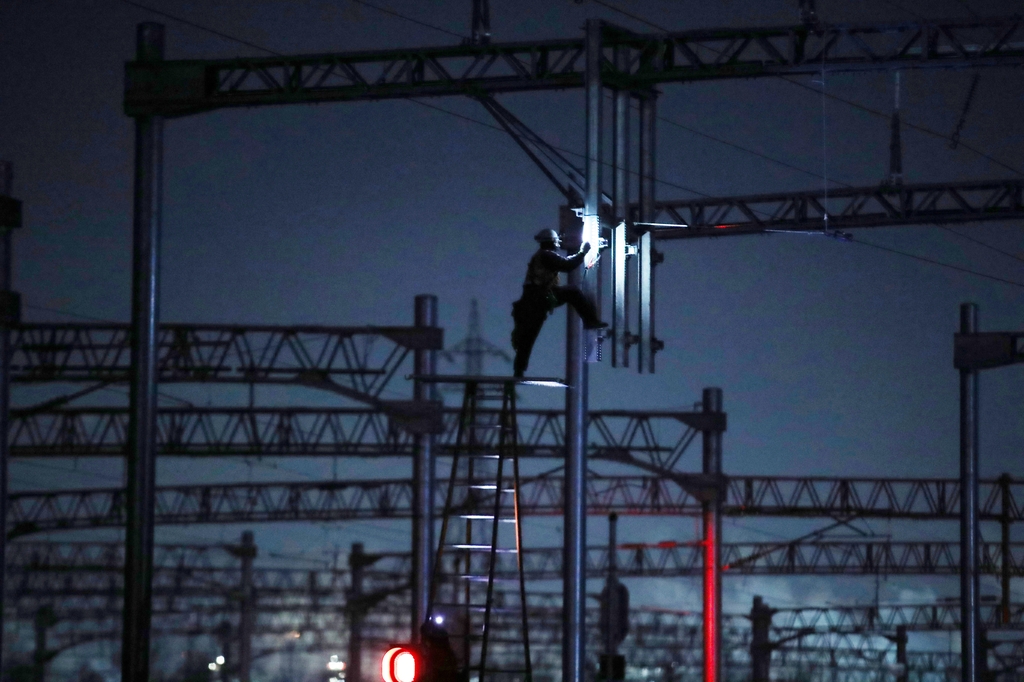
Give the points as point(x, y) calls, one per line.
point(548, 235)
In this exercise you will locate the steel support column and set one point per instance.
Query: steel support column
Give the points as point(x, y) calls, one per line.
point(611, 584)
point(247, 616)
point(574, 569)
point(646, 255)
point(902, 672)
point(8, 316)
point(760, 641)
point(481, 24)
point(1005, 559)
point(44, 620)
point(620, 199)
point(141, 470)
point(356, 614)
point(423, 475)
point(969, 583)
point(711, 513)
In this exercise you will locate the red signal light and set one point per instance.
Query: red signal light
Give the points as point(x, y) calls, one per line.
point(399, 665)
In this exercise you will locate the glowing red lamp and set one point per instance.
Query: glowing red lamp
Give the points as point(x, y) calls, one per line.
point(399, 665)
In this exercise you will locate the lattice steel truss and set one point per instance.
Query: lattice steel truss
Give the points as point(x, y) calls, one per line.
point(175, 88)
point(808, 497)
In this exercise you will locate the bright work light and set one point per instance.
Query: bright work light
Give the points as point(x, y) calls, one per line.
point(591, 235)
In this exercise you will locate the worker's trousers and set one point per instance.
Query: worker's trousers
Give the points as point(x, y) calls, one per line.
point(530, 311)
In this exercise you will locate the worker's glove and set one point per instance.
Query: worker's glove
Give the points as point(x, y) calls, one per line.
point(585, 249)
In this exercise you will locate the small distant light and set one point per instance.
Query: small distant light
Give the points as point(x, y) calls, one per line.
point(439, 619)
point(294, 634)
point(220, 660)
point(212, 666)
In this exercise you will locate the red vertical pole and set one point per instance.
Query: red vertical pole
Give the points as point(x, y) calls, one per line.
point(711, 512)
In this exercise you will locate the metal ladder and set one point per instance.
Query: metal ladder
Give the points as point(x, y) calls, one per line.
point(480, 530)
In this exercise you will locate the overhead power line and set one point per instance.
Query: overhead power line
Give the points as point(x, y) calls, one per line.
point(856, 105)
point(393, 13)
point(608, 5)
point(931, 261)
point(200, 27)
point(981, 243)
point(861, 107)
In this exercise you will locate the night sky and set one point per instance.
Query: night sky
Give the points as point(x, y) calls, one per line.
point(835, 358)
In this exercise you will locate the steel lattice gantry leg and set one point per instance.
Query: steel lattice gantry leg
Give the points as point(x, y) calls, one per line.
point(480, 530)
point(141, 465)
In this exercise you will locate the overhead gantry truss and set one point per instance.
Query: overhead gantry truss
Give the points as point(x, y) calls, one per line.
point(92, 573)
point(658, 437)
point(92, 570)
point(935, 499)
point(819, 558)
point(355, 361)
point(629, 60)
point(841, 209)
point(179, 592)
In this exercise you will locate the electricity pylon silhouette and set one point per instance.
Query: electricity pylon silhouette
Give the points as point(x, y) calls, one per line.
point(475, 347)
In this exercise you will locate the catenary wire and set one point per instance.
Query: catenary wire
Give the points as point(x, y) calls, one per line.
point(826, 180)
point(856, 105)
point(612, 7)
point(981, 243)
point(408, 18)
point(939, 263)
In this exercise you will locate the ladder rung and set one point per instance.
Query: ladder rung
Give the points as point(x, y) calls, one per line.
point(483, 578)
point(480, 608)
point(474, 548)
point(491, 486)
point(485, 517)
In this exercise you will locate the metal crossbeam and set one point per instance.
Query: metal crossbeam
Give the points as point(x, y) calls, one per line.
point(176, 88)
point(846, 208)
point(835, 557)
point(324, 598)
point(355, 361)
point(659, 438)
point(31, 512)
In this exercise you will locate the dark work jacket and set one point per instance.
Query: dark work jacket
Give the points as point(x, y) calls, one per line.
point(542, 272)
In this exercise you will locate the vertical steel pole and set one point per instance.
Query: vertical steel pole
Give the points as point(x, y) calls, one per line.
point(7, 318)
point(141, 470)
point(43, 622)
point(481, 31)
point(711, 512)
point(1005, 558)
point(612, 583)
point(423, 476)
point(246, 621)
point(969, 584)
point(620, 197)
point(903, 673)
point(575, 530)
point(760, 641)
point(354, 664)
point(645, 243)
